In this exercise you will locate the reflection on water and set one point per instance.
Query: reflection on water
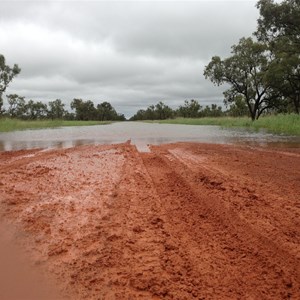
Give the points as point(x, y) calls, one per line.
point(140, 134)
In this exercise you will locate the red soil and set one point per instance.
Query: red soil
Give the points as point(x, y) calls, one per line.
point(185, 221)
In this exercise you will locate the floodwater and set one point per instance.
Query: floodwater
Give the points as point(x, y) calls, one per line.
point(140, 134)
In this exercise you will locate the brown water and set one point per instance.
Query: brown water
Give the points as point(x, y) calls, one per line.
point(140, 134)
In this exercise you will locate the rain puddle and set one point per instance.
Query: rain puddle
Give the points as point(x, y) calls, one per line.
point(141, 135)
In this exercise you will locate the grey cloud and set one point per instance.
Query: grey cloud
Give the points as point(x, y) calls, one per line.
point(132, 54)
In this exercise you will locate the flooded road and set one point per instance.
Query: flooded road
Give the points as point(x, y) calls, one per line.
point(205, 218)
point(140, 134)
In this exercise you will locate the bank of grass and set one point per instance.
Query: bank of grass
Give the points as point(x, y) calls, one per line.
point(280, 124)
point(7, 124)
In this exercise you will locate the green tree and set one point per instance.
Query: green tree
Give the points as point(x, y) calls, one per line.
point(279, 28)
point(190, 109)
point(56, 109)
point(105, 112)
point(84, 110)
point(35, 110)
point(120, 117)
point(245, 71)
point(160, 111)
point(139, 115)
point(6, 76)
point(150, 113)
point(17, 106)
point(211, 111)
point(279, 19)
point(69, 116)
point(163, 111)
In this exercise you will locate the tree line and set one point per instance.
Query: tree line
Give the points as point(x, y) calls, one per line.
point(19, 108)
point(263, 71)
point(85, 110)
point(190, 109)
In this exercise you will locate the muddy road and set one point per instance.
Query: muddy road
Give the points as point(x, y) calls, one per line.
point(184, 221)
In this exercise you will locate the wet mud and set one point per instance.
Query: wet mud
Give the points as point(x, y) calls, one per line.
point(183, 221)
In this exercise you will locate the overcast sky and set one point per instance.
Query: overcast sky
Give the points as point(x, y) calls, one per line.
point(131, 54)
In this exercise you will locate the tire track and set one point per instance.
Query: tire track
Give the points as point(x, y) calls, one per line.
point(108, 222)
point(235, 241)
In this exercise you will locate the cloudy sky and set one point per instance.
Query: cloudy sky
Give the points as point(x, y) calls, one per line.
point(129, 53)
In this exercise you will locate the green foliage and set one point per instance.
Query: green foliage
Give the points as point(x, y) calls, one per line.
point(190, 109)
point(105, 111)
point(35, 110)
point(160, 111)
point(211, 111)
point(85, 110)
point(279, 28)
point(238, 107)
point(7, 124)
point(17, 106)
point(245, 72)
point(6, 76)
point(56, 109)
point(266, 73)
point(279, 19)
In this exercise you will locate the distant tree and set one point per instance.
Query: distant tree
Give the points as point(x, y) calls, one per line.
point(17, 106)
point(120, 117)
point(211, 111)
point(150, 113)
point(139, 115)
point(56, 109)
point(84, 110)
point(190, 109)
point(160, 111)
point(77, 105)
point(246, 73)
point(216, 111)
point(238, 107)
point(69, 116)
point(6, 76)
point(35, 110)
point(163, 111)
point(105, 112)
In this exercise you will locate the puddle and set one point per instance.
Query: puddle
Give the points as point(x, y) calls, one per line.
point(141, 135)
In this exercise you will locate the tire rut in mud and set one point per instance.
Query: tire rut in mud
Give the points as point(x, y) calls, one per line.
point(223, 251)
point(109, 222)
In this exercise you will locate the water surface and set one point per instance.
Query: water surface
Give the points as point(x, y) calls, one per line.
point(140, 134)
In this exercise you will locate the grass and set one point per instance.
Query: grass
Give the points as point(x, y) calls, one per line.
point(7, 124)
point(279, 124)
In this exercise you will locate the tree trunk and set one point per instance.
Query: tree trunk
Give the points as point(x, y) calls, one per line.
point(297, 103)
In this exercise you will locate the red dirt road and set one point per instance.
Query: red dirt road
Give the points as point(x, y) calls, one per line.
point(185, 221)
